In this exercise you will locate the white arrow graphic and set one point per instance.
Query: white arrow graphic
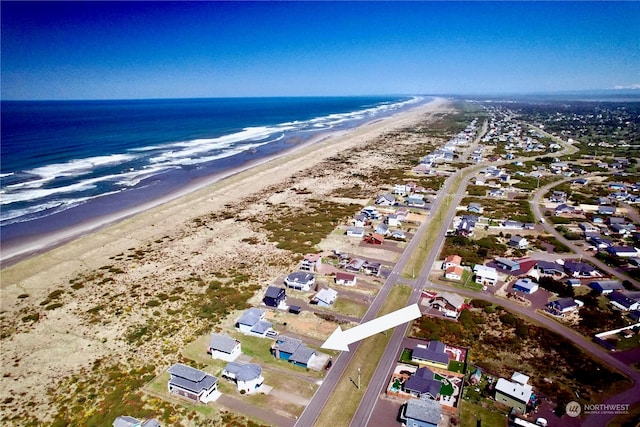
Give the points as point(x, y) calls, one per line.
point(340, 340)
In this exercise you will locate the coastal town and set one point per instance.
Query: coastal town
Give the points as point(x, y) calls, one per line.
point(513, 226)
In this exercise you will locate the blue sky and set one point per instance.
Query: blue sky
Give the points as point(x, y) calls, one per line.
point(92, 50)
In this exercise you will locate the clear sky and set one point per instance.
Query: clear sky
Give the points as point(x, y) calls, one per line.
point(92, 50)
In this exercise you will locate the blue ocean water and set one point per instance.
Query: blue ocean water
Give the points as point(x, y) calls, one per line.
point(64, 162)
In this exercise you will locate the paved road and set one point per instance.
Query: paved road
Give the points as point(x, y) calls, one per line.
point(537, 212)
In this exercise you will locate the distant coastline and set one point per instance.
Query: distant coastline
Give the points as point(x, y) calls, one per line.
point(76, 223)
point(180, 168)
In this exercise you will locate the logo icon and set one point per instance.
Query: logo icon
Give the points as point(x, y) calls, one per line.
point(573, 409)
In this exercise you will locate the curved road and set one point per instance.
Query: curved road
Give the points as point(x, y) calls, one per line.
point(387, 362)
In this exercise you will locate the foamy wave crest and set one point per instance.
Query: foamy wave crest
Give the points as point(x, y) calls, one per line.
point(72, 168)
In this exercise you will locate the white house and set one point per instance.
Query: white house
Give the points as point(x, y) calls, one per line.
point(247, 376)
point(392, 220)
point(252, 322)
point(224, 347)
point(355, 232)
point(485, 275)
point(453, 273)
point(519, 242)
point(325, 297)
point(300, 280)
point(386, 200)
point(345, 279)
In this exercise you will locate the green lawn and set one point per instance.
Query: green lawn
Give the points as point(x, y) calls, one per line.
point(455, 366)
point(406, 355)
point(470, 413)
point(349, 308)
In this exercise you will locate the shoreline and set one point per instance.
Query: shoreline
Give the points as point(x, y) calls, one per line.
point(29, 248)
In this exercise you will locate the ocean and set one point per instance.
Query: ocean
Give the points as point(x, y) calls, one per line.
point(70, 162)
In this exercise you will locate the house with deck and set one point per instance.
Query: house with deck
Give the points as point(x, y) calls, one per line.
point(192, 384)
point(485, 275)
point(451, 261)
point(300, 281)
point(224, 347)
point(513, 393)
point(311, 263)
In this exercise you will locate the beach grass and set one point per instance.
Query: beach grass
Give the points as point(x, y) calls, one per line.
point(470, 413)
point(346, 397)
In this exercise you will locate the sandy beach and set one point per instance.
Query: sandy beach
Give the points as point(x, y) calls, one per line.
point(73, 298)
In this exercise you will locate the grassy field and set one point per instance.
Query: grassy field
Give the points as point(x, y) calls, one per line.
point(470, 413)
point(346, 397)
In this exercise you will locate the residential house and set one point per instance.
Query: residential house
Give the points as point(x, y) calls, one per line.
point(401, 189)
point(355, 265)
point(371, 212)
point(600, 242)
point(525, 285)
point(454, 273)
point(311, 262)
point(562, 305)
point(274, 296)
point(372, 268)
point(452, 261)
point(604, 201)
point(392, 220)
point(247, 376)
point(402, 214)
point(448, 303)
point(564, 209)
point(398, 235)
point(386, 200)
point(360, 220)
point(374, 239)
point(623, 251)
point(192, 384)
point(496, 193)
point(423, 385)
point(300, 280)
point(421, 413)
point(588, 227)
point(512, 224)
point(467, 225)
point(558, 197)
point(508, 264)
point(224, 347)
point(513, 394)
point(345, 279)
point(416, 200)
point(325, 297)
point(433, 354)
point(580, 269)
point(606, 286)
point(252, 323)
point(293, 351)
point(485, 275)
point(355, 232)
point(606, 210)
point(382, 229)
point(518, 242)
point(550, 268)
point(127, 421)
point(621, 301)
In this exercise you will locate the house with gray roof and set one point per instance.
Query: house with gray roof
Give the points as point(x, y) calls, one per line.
point(224, 347)
point(252, 322)
point(300, 280)
point(292, 350)
point(433, 354)
point(192, 384)
point(325, 297)
point(421, 413)
point(514, 394)
point(274, 296)
point(606, 286)
point(422, 384)
point(623, 302)
point(549, 268)
point(247, 376)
